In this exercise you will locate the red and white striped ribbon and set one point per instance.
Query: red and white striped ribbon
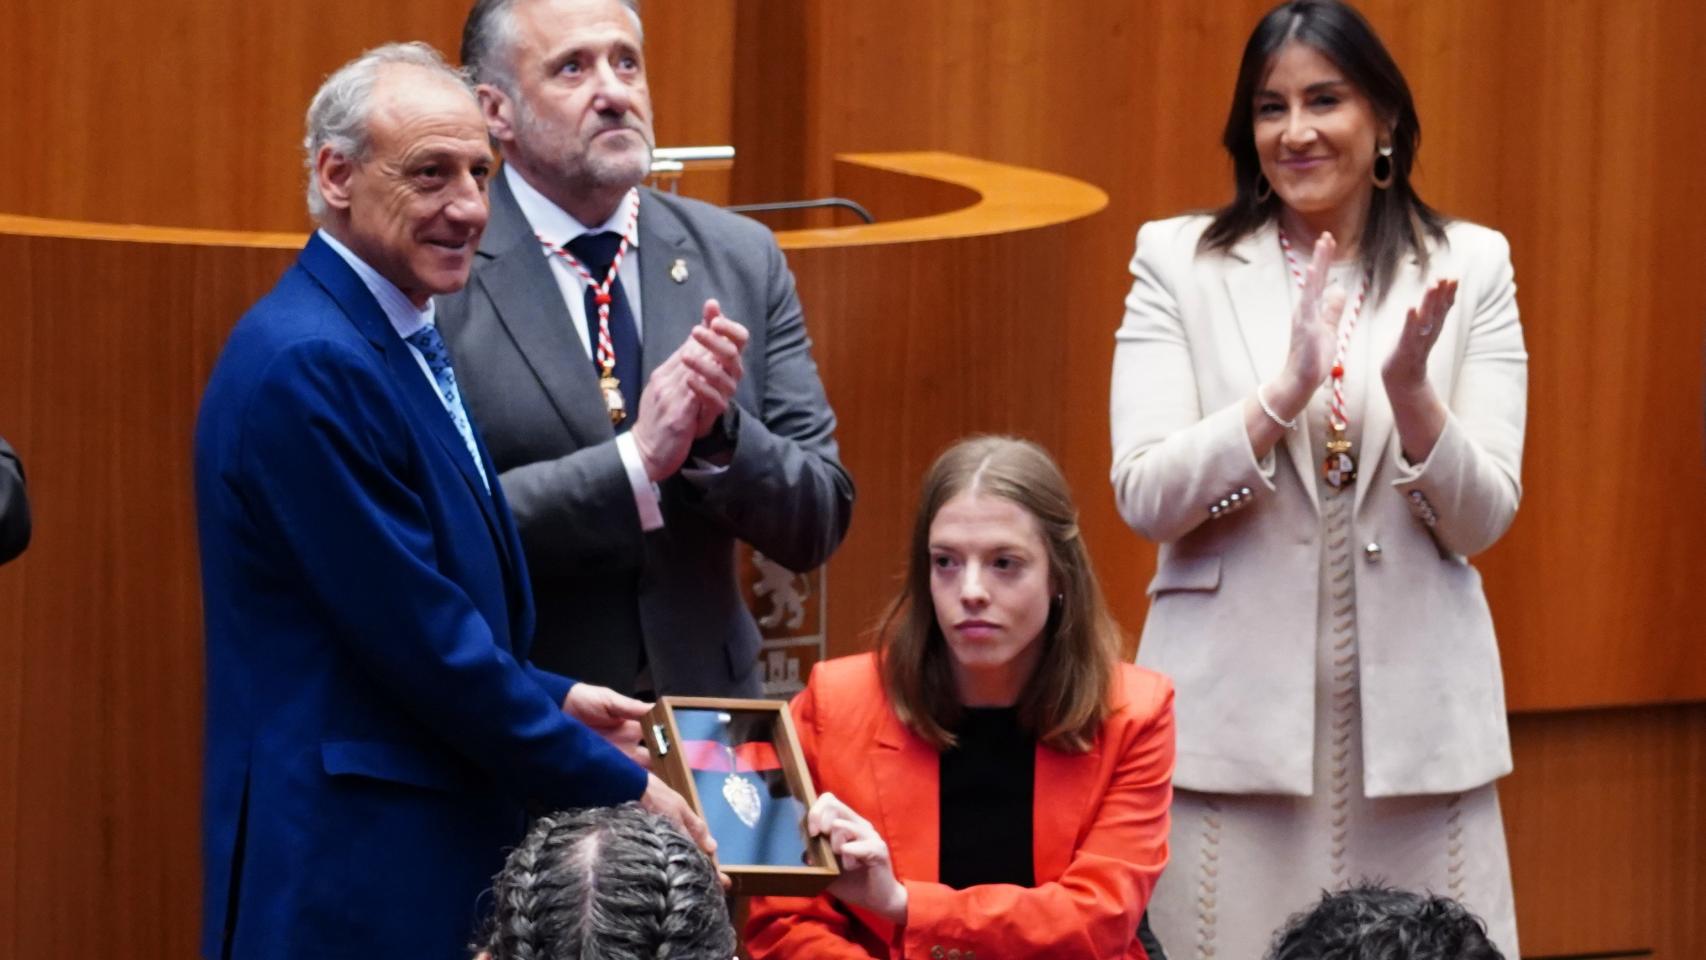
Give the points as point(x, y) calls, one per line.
point(606, 351)
point(1338, 416)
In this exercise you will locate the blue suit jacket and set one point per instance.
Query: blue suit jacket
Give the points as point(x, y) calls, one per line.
point(373, 726)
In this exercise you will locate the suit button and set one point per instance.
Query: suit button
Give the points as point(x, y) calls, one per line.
point(936, 952)
point(954, 954)
point(968, 955)
point(1372, 552)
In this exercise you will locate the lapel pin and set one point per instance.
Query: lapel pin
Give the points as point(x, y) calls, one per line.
point(678, 272)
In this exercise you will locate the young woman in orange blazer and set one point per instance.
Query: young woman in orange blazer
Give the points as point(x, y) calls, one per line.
point(994, 781)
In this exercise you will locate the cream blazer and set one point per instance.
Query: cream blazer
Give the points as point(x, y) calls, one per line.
point(1232, 615)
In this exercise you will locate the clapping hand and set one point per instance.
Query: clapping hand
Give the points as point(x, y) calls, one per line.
point(1314, 334)
point(688, 391)
point(1315, 322)
point(1406, 370)
point(867, 873)
point(712, 353)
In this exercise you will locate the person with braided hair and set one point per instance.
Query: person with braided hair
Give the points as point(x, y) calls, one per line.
point(613, 883)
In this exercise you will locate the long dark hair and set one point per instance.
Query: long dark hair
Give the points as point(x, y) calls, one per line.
point(1067, 697)
point(1398, 221)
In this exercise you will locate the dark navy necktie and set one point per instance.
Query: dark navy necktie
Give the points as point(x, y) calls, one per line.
point(595, 251)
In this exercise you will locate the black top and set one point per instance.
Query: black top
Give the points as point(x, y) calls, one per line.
point(987, 784)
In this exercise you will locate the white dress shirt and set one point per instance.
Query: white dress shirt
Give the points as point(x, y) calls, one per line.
point(555, 228)
point(408, 320)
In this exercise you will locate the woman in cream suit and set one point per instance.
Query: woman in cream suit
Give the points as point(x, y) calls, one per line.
point(1318, 402)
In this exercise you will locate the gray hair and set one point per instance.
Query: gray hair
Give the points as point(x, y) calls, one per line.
point(612, 883)
point(338, 115)
point(489, 33)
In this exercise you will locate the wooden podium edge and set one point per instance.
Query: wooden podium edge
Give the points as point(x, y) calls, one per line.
point(1008, 199)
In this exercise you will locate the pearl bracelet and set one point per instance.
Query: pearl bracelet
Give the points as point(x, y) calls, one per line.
point(1287, 424)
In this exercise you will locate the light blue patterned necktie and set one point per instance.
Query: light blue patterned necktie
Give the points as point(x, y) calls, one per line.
point(432, 347)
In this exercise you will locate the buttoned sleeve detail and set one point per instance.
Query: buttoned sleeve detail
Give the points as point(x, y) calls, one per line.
point(1470, 482)
point(1174, 462)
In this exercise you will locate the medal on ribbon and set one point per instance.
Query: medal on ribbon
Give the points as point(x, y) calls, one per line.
point(1339, 467)
point(605, 353)
point(743, 799)
point(740, 792)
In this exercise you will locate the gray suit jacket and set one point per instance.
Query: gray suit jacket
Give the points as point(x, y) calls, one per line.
point(603, 587)
point(14, 508)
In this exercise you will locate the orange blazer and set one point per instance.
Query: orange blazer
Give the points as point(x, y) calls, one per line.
point(1099, 837)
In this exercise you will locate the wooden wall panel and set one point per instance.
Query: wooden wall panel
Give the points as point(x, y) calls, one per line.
point(107, 346)
point(190, 112)
point(1557, 123)
point(1606, 830)
point(111, 335)
point(1567, 125)
point(902, 387)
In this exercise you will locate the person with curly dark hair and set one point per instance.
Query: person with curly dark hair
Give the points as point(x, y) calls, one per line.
point(612, 883)
point(1373, 922)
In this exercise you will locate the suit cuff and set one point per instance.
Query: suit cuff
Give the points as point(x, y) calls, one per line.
point(1415, 472)
point(645, 491)
point(555, 685)
point(1415, 480)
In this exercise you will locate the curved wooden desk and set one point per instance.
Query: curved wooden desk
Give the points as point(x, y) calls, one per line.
point(110, 333)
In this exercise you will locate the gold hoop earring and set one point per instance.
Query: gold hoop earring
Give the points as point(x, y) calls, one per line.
point(1383, 180)
point(1264, 190)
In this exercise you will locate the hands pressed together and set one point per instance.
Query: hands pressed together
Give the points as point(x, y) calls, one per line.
point(688, 392)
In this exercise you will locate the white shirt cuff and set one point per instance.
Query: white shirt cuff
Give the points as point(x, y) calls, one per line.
point(645, 491)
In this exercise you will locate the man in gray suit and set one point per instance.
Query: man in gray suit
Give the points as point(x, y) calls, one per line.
point(14, 508)
point(638, 364)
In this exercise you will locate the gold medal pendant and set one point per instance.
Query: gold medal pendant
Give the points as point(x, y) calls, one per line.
point(1340, 468)
point(612, 390)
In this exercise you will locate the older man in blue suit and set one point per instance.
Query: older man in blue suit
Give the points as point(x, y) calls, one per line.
point(374, 728)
